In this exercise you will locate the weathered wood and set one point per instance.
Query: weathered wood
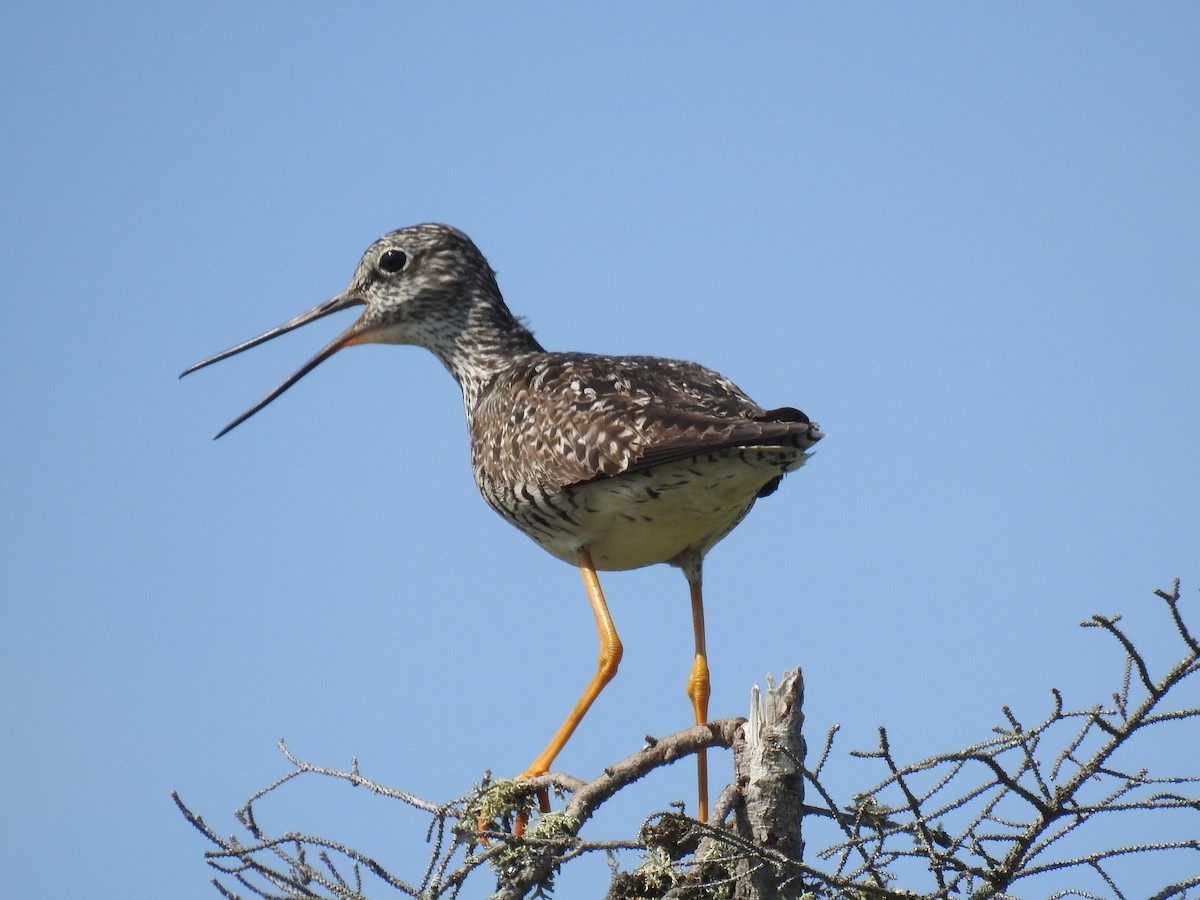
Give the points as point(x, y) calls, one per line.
point(768, 760)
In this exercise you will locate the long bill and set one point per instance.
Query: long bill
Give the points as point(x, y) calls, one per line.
point(347, 337)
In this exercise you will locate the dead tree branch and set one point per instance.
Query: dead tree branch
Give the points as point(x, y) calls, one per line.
point(974, 822)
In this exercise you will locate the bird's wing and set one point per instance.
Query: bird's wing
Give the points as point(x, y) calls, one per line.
point(578, 417)
point(683, 435)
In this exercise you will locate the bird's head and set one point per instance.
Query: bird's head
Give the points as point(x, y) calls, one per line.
point(426, 285)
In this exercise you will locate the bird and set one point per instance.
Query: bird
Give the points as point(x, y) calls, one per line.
point(606, 462)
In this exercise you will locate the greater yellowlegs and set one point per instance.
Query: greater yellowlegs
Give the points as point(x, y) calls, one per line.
point(607, 462)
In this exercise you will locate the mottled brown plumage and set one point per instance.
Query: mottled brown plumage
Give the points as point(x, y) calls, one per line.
point(555, 433)
point(608, 462)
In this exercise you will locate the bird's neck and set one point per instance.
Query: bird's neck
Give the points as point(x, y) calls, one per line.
point(492, 340)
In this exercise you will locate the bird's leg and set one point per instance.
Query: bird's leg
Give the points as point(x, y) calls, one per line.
point(698, 685)
point(610, 657)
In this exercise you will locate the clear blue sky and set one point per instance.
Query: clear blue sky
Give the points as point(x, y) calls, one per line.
point(964, 238)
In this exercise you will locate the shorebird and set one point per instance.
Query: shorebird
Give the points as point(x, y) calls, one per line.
point(607, 462)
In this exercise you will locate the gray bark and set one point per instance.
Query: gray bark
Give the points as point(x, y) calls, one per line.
point(768, 759)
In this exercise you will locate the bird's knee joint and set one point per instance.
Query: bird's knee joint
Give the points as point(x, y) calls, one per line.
point(610, 656)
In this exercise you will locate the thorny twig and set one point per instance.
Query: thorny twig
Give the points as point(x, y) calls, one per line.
point(971, 822)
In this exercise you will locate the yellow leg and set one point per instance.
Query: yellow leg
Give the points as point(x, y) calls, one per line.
point(699, 690)
point(610, 657)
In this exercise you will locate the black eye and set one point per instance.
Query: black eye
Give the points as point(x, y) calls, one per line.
point(392, 261)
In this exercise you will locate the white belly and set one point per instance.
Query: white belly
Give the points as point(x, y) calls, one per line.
point(653, 516)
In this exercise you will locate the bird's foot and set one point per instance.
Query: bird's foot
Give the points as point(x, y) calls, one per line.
point(543, 797)
point(504, 806)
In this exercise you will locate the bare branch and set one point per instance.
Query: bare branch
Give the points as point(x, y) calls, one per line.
point(975, 821)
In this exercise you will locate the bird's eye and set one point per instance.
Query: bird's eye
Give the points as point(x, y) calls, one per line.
point(392, 261)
